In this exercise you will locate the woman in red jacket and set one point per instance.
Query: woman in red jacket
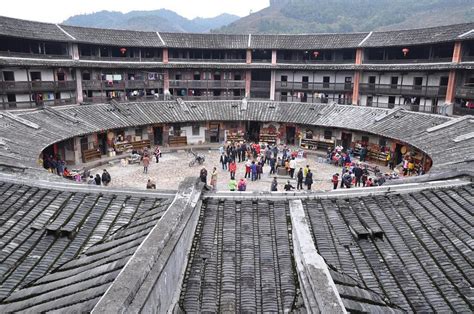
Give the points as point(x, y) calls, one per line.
point(232, 169)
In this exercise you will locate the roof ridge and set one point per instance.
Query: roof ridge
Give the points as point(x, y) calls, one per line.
point(62, 30)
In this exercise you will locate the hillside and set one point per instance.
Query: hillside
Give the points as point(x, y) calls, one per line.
point(157, 20)
point(316, 16)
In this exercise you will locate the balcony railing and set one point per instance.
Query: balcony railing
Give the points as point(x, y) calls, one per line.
point(303, 86)
point(405, 90)
point(207, 84)
point(121, 85)
point(33, 104)
point(36, 86)
point(260, 85)
point(338, 61)
point(400, 61)
point(33, 55)
point(207, 60)
point(124, 59)
point(465, 91)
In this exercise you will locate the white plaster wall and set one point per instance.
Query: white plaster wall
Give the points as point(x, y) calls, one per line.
point(194, 139)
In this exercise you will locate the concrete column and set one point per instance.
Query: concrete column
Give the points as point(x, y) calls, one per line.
point(79, 95)
point(272, 85)
point(166, 80)
point(249, 56)
point(165, 56)
point(357, 75)
point(248, 80)
point(274, 57)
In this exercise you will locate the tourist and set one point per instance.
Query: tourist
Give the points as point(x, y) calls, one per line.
point(91, 180)
point(363, 153)
point(292, 167)
point(150, 185)
point(232, 184)
point(214, 178)
point(223, 161)
point(203, 175)
point(358, 174)
point(335, 180)
point(274, 186)
point(300, 178)
point(248, 165)
point(106, 177)
point(346, 180)
point(146, 163)
point(259, 170)
point(253, 168)
point(272, 165)
point(66, 173)
point(157, 154)
point(305, 171)
point(411, 166)
point(60, 167)
point(309, 179)
point(242, 185)
point(288, 187)
point(369, 183)
point(98, 180)
point(232, 169)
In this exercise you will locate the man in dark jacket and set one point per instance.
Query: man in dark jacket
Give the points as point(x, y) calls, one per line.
point(203, 175)
point(274, 186)
point(358, 175)
point(106, 177)
point(299, 177)
point(309, 179)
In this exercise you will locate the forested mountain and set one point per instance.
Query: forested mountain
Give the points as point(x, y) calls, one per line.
point(316, 16)
point(157, 20)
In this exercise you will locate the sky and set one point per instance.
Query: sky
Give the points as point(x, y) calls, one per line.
point(56, 11)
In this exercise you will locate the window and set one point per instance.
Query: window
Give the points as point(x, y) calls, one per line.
point(61, 76)
point(382, 142)
point(326, 80)
point(284, 80)
point(391, 102)
point(196, 130)
point(86, 76)
point(284, 96)
point(365, 139)
point(327, 134)
point(35, 76)
point(139, 132)
point(8, 76)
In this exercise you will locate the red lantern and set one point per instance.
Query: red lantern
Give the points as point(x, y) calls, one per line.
point(316, 54)
point(123, 50)
point(405, 51)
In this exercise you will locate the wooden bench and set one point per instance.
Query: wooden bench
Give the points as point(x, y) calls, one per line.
point(123, 147)
point(178, 141)
point(90, 154)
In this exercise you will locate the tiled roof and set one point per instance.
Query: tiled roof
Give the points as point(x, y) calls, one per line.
point(23, 144)
point(205, 41)
point(41, 229)
point(44, 31)
point(316, 41)
point(30, 29)
point(242, 261)
point(418, 36)
point(113, 37)
point(415, 249)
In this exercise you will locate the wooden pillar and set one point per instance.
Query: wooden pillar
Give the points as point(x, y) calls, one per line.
point(274, 57)
point(165, 56)
point(451, 88)
point(248, 80)
point(357, 75)
point(249, 56)
point(166, 80)
point(79, 92)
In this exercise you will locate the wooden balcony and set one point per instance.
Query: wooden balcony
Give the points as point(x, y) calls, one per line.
point(207, 84)
point(36, 86)
point(121, 85)
point(403, 90)
point(314, 87)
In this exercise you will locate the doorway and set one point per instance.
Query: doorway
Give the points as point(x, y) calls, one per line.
point(214, 129)
point(290, 135)
point(253, 131)
point(158, 135)
point(102, 138)
point(398, 156)
point(346, 139)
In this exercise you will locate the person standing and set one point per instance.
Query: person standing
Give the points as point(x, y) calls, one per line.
point(358, 175)
point(300, 178)
point(146, 163)
point(232, 169)
point(157, 154)
point(106, 178)
point(203, 175)
point(214, 178)
point(253, 168)
point(272, 165)
point(223, 161)
point(274, 186)
point(309, 179)
point(335, 180)
point(288, 187)
point(292, 167)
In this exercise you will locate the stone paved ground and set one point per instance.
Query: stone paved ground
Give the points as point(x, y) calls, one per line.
point(173, 168)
